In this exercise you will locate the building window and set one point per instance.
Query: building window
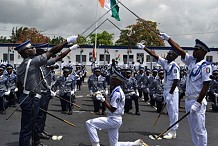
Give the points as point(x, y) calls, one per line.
point(90, 57)
point(209, 58)
point(131, 58)
point(83, 58)
point(107, 57)
point(140, 57)
point(148, 58)
point(11, 57)
point(5, 57)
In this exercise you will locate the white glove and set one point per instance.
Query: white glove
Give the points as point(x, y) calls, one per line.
point(53, 93)
point(215, 94)
point(195, 107)
point(74, 47)
point(100, 97)
point(140, 46)
point(154, 95)
point(57, 92)
point(90, 92)
point(106, 92)
point(147, 89)
point(8, 92)
point(16, 89)
point(164, 36)
point(169, 97)
point(72, 39)
point(72, 92)
point(137, 93)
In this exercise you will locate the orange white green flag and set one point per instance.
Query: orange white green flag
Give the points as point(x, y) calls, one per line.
point(111, 4)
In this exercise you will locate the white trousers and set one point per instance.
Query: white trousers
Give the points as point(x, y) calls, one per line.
point(112, 124)
point(197, 123)
point(172, 108)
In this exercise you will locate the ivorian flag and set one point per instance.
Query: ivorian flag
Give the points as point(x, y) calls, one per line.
point(118, 57)
point(93, 53)
point(108, 4)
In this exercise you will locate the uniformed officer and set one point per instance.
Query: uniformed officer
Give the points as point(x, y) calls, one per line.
point(130, 89)
point(214, 90)
point(197, 84)
point(97, 85)
point(46, 85)
point(182, 85)
point(12, 77)
point(113, 120)
point(147, 72)
point(28, 83)
point(171, 92)
point(106, 74)
point(79, 79)
point(4, 90)
point(158, 84)
point(65, 87)
point(151, 88)
point(143, 83)
point(74, 77)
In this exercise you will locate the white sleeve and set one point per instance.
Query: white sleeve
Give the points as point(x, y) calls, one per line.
point(115, 99)
point(161, 61)
point(188, 59)
point(175, 72)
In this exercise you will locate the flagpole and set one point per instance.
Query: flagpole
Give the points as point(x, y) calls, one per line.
point(96, 25)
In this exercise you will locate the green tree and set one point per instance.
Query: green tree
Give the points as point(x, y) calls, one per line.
point(3, 39)
point(82, 40)
point(103, 38)
point(16, 33)
point(142, 30)
point(22, 34)
point(56, 40)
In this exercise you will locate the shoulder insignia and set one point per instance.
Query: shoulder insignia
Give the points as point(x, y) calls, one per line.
point(207, 70)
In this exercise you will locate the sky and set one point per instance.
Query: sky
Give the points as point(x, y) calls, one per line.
point(183, 20)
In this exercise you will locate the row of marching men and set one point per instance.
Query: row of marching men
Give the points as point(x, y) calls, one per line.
point(7, 87)
point(143, 83)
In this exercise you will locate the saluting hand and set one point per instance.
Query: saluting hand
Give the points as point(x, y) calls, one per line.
point(164, 36)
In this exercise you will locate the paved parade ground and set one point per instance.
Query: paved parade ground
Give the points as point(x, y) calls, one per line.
point(133, 127)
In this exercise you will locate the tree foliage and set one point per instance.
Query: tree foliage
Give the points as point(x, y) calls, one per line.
point(56, 40)
point(3, 39)
point(142, 30)
point(103, 38)
point(34, 35)
point(23, 34)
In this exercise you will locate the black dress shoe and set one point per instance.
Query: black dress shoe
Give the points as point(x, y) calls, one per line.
point(70, 113)
point(3, 112)
point(44, 136)
point(137, 113)
point(47, 133)
point(64, 112)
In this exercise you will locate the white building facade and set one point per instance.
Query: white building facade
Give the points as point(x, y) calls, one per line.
point(105, 54)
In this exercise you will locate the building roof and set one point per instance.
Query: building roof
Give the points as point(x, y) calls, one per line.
point(113, 47)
